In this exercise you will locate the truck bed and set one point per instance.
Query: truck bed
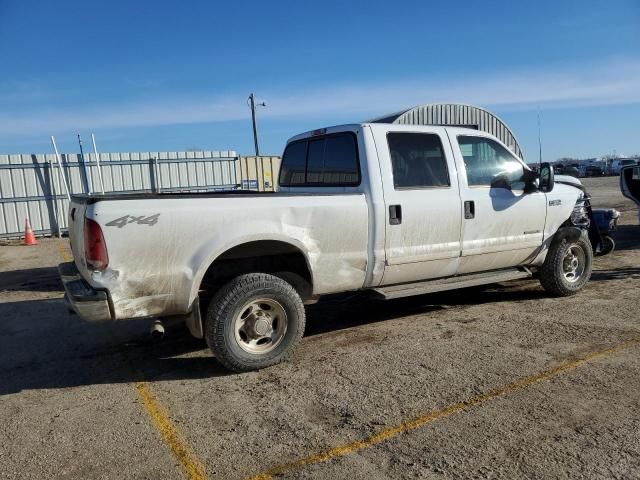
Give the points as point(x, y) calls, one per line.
point(159, 251)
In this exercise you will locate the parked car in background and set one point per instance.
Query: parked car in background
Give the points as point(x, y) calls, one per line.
point(571, 171)
point(594, 171)
point(617, 165)
point(582, 169)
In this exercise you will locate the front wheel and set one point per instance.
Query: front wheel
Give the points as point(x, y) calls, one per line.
point(254, 321)
point(567, 268)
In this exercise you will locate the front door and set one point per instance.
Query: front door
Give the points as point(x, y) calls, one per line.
point(423, 216)
point(503, 225)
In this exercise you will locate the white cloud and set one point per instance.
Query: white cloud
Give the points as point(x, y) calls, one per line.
point(612, 82)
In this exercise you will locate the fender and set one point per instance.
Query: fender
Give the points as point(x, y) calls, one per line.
point(212, 250)
point(569, 233)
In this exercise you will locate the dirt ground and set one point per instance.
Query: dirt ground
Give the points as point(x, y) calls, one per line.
point(503, 382)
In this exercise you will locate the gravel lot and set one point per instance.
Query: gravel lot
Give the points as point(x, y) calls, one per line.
point(71, 402)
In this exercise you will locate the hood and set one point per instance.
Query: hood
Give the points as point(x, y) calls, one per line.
point(569, 180)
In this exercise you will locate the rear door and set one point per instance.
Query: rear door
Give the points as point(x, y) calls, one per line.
point(423, 209)
point(502, 226)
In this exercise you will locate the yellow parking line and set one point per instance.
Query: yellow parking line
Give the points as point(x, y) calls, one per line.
point(188, 460)
point(432, 416)
point(190, 463)
point(64, 253)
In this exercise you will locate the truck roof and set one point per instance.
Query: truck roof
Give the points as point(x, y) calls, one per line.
point(439, 114)
point(355, 126)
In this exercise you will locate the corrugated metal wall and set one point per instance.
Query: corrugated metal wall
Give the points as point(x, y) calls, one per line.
point(33, 186)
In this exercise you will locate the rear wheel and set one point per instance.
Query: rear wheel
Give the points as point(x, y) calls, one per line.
point(254, 321)
point(567, 268)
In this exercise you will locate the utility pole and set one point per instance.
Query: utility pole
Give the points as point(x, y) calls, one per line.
point(252, 101)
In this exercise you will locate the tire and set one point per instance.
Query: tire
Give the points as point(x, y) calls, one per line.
point(254, 322)
point(560, 275)
point(608, 245)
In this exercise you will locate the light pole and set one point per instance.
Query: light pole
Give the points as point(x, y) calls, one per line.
point(252, 101)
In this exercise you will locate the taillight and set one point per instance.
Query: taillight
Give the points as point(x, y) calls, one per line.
point(95, 249)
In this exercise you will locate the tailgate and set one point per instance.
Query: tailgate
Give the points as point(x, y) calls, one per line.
point(75, 220)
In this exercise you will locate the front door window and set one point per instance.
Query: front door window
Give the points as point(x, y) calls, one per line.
point(489, 164)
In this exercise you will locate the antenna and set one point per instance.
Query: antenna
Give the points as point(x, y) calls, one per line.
point(539, 141)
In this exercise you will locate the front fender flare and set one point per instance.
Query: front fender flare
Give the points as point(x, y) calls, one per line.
point(569, 233)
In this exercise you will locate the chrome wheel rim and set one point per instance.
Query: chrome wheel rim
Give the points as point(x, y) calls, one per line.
point(573, 263)
point(260, 325)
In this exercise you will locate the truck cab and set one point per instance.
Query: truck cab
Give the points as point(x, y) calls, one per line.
point(445, 201)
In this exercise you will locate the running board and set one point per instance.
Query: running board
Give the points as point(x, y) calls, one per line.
point(451, 283)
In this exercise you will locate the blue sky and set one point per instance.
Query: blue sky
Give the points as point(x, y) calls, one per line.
point(170, 75)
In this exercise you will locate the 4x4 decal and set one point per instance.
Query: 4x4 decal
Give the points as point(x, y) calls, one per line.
point(127, 219)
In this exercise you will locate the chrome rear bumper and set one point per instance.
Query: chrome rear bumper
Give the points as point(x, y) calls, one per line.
point(90, 304)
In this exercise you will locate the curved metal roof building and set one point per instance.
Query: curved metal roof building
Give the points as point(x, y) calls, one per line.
point(458, 115)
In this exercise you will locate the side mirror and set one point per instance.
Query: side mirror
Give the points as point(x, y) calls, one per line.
point(546, 177)
point(531, 181)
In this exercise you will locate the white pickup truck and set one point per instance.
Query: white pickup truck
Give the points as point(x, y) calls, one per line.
point(397, 209)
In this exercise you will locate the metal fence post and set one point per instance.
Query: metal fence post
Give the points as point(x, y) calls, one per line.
point(158, 175)
point(54, 198)
point(152, 175)
point(272, 180)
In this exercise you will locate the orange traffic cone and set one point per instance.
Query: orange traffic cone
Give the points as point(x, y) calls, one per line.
point(29, 237)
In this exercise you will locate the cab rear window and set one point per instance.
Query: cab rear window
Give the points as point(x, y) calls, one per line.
point(331, 160)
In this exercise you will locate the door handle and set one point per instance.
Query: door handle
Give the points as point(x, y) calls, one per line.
point(469, 209)
point(395, 214)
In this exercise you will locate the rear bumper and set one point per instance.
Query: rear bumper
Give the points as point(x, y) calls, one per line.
point(90, 304)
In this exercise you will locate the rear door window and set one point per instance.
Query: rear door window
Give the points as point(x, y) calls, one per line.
point(418, 160)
